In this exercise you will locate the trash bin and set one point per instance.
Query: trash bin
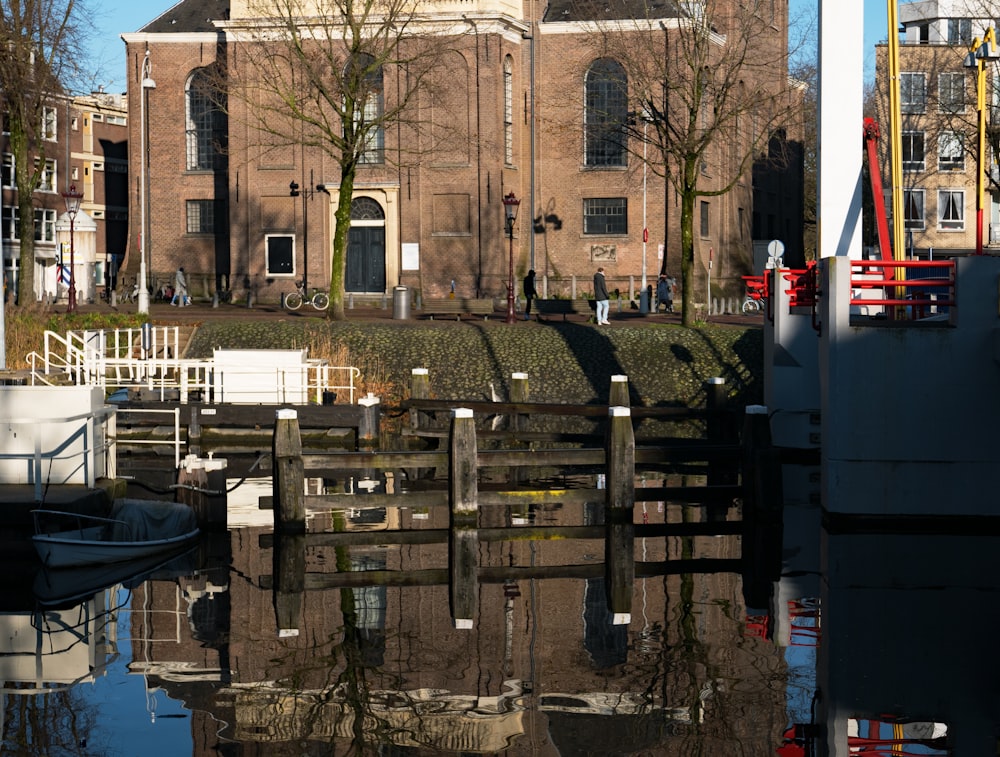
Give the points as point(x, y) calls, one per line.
point(400, 303)
point(644, 301)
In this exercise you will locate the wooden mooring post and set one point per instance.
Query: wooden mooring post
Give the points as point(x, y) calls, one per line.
point(463, 498)
point(763, 505)
point(288, 476)
point(371, 418)
point(619, 547)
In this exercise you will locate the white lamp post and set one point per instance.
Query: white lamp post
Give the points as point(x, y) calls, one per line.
point(72, 198)
point(146, 84)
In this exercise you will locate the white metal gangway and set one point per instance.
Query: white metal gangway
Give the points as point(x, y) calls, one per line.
point(148, 358)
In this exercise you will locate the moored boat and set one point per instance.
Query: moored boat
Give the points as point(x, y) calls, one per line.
point(135, 528)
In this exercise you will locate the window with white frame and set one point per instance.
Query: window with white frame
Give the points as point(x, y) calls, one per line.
point(8, 178)
point(363, 77)
point(605, 114)
point(951, 155)
point(959, 31)
point(912, 143)
point(9, 217)
point(951, 209)
point(508, 110)
point(951, 92)
point(49, 123)
point(280, 253)
point(47, 178)
point(913, 209)
point(913, 92)
point(199, 119)
point(45, 225)
point(605, 215)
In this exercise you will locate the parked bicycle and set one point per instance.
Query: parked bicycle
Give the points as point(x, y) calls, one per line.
point(318, 299)
point(756, 295)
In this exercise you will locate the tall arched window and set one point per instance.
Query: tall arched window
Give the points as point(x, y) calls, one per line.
point(508, 110)
point(199, 123)
point(363, 81)
point(606, 111)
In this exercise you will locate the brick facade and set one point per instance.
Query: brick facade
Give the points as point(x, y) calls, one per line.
point(439, 190)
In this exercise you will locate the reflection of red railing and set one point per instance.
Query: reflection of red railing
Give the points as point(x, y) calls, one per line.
point(905, 292)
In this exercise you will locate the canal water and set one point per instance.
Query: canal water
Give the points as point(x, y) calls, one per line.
point(863, 643)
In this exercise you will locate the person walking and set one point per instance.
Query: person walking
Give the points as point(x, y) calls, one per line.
point(601, 296)
point(665, 293)
point(530, 293)
point(180, 289)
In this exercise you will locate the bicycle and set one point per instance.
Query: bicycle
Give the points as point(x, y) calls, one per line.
point(318, 299)
point(756, 295)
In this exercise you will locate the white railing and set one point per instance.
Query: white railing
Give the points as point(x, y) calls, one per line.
point(126, 413)
point(148, 358)
point(90, 447)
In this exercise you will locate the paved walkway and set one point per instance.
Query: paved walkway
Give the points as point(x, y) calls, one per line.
point(200, 312)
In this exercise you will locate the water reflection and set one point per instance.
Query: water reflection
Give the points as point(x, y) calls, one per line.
point(857, 648)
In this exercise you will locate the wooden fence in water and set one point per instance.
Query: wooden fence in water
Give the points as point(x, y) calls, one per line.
point(738, 459)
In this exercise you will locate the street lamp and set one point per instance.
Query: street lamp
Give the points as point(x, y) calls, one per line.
point(981, 51)
point(307, 194)
point(510, 205)
point(146, 84)
point(72, 198)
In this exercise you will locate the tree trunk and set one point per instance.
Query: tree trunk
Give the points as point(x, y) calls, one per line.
point(342, 228)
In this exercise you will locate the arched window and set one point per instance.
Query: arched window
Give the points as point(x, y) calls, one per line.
point(366, 209)
point(363, 81)
point(508, 110)
point(199, 123)
point(605, 114)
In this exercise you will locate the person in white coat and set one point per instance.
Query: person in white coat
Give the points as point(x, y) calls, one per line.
point(180, 289)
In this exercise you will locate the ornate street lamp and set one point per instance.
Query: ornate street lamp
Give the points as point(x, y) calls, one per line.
point(72, 198)
point(510, 205)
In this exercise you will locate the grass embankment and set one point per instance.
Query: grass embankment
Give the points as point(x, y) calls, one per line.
point(570, 363)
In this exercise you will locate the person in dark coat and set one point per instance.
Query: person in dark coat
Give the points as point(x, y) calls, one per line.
point(530, 293)
point(601, 296)
point(665, 293)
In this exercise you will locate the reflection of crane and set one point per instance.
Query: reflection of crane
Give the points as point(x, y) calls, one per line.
point(878, 195)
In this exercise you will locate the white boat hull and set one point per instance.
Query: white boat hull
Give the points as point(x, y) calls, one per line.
point(136, 529)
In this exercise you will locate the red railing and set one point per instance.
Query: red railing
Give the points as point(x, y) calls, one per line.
point(904, 295)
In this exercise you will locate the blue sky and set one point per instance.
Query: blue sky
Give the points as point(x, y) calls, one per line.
point(115, 17)
point(111, 19)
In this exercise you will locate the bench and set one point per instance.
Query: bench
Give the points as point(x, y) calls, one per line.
point(458, 306)
point(579, 306)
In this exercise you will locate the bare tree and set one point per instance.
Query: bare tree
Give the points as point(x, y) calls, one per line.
point(710, 81)
point(334, 75)
point(43, 44)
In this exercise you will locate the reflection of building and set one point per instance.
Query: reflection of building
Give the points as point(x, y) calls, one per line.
point(939, 150)
point(85, 146)
point(426, 207)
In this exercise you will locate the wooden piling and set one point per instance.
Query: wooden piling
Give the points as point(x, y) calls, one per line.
point(763, 507)
point(618, 392)
point(289, 582)
point(420, 389)
point(463, 498)
point(288, 475)
point(619, 547)
point(519, 393)
point(368, 428)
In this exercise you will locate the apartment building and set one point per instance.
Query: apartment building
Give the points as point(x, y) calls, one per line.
point(519, 82)
point(85, 148)
point(940, 151)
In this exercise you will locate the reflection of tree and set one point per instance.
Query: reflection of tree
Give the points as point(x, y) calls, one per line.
point(60, 722)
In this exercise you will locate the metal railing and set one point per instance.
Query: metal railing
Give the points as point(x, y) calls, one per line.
point(174, 414)
point(95, 442)
point(148, 358)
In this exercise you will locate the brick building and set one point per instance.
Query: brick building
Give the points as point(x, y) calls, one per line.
point(514, 92)
point(85, 147)
point(939, 128)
